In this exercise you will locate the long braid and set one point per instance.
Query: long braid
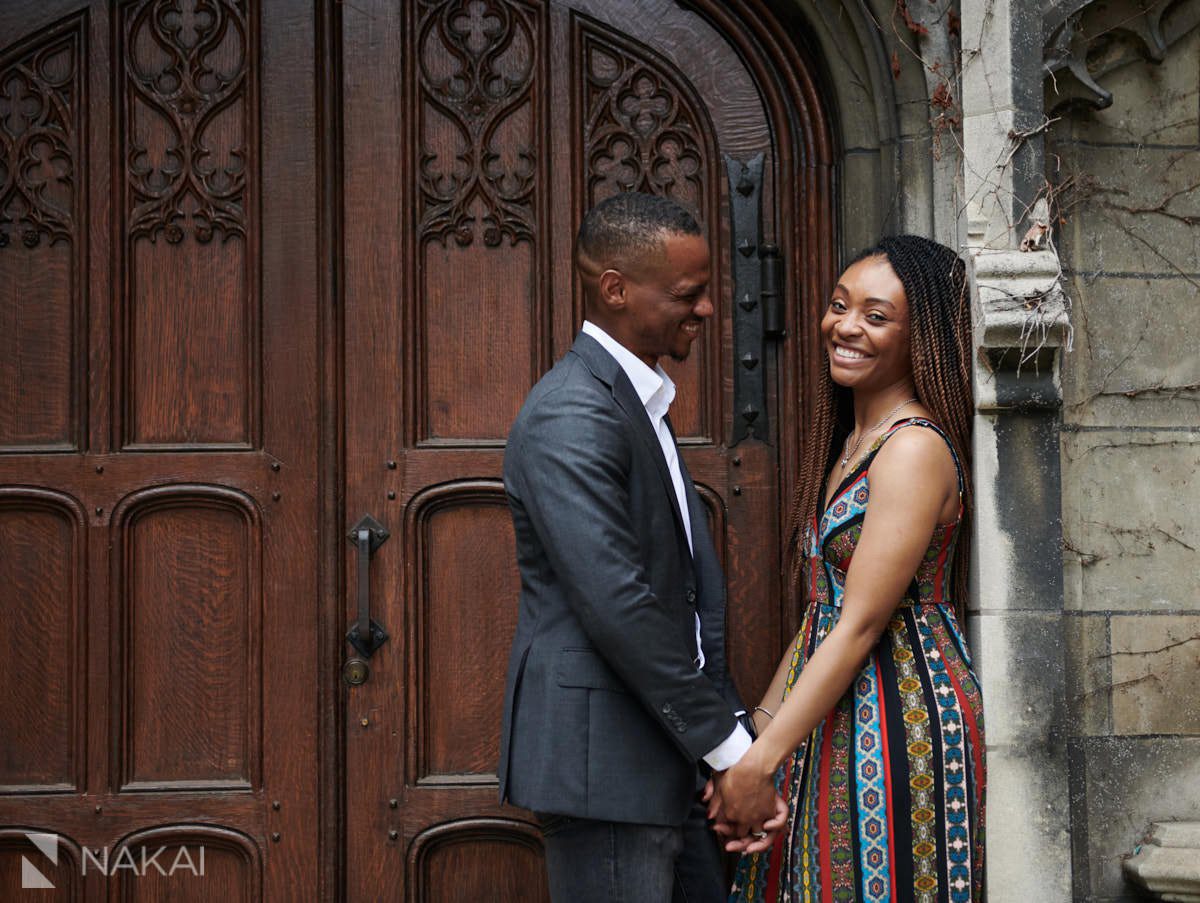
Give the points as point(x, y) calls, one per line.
point(934, 280)
point(935, 284)
point(814, 463)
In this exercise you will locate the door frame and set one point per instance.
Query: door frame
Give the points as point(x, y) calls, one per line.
point(799, 111)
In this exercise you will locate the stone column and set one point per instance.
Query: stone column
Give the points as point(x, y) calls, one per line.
point(1016, 610)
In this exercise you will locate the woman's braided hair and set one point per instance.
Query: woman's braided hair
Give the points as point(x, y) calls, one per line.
point(935, 284)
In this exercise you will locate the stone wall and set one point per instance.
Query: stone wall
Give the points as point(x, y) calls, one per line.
point(1128, 184)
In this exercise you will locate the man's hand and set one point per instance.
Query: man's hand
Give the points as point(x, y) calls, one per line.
point(760, 841)
point(744, 807)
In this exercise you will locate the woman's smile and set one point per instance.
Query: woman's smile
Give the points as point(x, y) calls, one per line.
point(848, 355)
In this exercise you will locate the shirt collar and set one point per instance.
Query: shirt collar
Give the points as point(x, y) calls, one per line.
point(654, 388)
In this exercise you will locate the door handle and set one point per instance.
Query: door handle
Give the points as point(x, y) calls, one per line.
point(365, 634)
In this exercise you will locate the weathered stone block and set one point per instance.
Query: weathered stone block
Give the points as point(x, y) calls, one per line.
point(1022, 650)
point(1028, 829)
point(1017, 530)
point(987, 59)
point(989, 180)
point(1131, 530)
point(1151, 104)
point(862, 201)
point(1132, 782)
point(1129, 209)
point(1167, 863)
point(1134, 361)
point(1089, 674)
point(1155, 665)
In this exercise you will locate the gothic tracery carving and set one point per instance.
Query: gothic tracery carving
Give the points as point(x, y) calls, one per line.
point(641, 132)
point(39, 106)
point(478, 161)
point(187, 68)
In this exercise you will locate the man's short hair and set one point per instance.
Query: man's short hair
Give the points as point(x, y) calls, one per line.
point(625, 227)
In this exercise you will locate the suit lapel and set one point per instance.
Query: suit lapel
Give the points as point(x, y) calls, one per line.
point(628, 399)
point(606, 368)
point(696, 517)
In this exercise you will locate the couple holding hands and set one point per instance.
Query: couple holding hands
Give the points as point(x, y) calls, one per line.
point(859, 775)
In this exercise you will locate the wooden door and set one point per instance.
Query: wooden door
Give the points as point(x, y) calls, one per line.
point(475, 133)
point(158, 448)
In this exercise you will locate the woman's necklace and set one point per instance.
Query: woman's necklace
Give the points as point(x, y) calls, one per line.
point(853, 451)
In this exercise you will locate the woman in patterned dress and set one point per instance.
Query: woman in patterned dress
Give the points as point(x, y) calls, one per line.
point(872, 728)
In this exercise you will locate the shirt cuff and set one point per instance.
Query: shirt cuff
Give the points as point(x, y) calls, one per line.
point(731, 749)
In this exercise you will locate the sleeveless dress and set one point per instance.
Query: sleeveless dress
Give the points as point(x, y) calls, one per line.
point(886, 796)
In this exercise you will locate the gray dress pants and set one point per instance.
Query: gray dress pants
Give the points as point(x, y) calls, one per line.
point(612, 862)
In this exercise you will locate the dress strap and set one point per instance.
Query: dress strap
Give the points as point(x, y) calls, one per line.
point(922, 421)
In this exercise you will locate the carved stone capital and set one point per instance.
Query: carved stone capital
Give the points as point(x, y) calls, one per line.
point(1020, 318)
point(1167, 862)
point(1018, 299)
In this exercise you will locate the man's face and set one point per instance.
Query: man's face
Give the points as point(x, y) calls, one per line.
point(666, 299)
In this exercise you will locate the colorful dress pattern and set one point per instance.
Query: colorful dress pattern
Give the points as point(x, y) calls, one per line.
point(886, 796)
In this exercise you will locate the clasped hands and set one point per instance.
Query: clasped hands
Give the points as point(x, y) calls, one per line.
point(744, 807)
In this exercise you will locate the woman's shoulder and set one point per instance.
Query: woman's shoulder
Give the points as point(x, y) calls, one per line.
point(914, 448)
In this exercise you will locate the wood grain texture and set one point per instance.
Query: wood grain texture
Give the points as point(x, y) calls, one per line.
point(232, 866)
point(464, 604)
point(483, 859)
point(482, 178)
point(42, 658)
point(41, 261)
point(191, 362)
point(189, 597)
point(199, 116)
point(65, 875)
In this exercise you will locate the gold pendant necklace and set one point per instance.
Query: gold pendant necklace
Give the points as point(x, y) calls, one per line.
point(853, 451)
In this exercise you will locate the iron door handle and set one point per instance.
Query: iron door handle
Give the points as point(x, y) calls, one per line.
point(365, 634)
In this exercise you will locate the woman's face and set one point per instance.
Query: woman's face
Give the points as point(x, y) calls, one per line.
point(866, 328)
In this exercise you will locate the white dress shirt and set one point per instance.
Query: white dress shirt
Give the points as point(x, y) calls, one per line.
point(656, 391)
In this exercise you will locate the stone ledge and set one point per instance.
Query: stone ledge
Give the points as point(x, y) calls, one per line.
point(1167, 862)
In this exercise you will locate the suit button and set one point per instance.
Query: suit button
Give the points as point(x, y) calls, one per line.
point(691, 596)
point(667, 710)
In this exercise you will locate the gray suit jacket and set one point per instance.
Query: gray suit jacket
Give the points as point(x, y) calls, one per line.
point(605, 711)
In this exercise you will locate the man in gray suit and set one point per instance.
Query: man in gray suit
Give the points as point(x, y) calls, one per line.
point(617, 686)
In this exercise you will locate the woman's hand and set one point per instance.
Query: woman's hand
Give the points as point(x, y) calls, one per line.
point(742, 803)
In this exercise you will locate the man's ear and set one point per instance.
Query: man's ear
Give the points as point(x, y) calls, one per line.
point(611, 285)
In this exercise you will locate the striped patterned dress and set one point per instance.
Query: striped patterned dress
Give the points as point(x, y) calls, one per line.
point(886, 796)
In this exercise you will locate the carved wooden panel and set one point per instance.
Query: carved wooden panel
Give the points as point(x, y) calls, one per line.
point(42, 662)
point(642, 128)
point(189, 155)
point(41, 203)
point(188, 862)
point(479, 859)
point(480, 173)
point(18, 855)
point(187, 566)
point(464, 599)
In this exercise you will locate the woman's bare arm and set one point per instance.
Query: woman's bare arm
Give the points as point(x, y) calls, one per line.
point(912, 481)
